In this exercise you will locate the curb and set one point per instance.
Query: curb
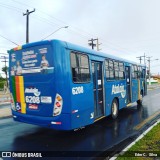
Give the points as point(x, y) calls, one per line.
point(5, 117)
point(6, 103)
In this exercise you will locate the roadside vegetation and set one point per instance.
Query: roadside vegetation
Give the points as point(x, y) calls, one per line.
point(148, 145)
point(2, 82)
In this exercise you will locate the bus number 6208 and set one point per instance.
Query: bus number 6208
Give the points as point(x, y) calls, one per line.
point(32, 99)
point(77, 90)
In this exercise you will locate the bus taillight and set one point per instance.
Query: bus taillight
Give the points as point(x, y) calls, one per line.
point(57, 105)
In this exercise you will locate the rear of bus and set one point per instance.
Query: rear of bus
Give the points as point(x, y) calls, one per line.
point(37, 85)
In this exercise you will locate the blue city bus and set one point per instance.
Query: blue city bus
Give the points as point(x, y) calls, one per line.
point(63, 86)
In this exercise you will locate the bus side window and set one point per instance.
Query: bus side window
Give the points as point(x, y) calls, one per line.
point(109, 67)
point(134, 72)
point(116, 68)
point(140, 72)
point(80, 67)
point(121, 71)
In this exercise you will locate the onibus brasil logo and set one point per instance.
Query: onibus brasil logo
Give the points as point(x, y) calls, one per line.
point(119, 89)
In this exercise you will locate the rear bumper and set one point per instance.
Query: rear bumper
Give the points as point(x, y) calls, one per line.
point(61, 122)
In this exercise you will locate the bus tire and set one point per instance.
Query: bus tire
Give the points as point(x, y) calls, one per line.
point(114, 109)
point(139, 102)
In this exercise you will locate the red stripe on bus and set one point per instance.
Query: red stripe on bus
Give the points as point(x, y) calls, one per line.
point(17, 88)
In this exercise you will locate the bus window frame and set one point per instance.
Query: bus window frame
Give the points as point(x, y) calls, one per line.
point(135, 71)
point(118, 69)
point(108, 69)
point(80, 53)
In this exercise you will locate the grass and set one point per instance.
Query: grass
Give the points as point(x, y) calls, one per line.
point(150, 143)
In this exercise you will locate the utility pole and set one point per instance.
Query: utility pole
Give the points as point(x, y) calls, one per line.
point(98, 44)
point(91, 42)
point(27, 23)
point(5, 60)
point(149, 69)
point(140, 58)
point(144, 58)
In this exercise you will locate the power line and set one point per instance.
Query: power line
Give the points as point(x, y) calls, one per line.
point(4, 54)
point(9, 40)
point(44, 13)
point(10, 7)
point(71, 26)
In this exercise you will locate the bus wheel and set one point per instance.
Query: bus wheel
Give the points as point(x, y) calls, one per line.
point(114, 109)
point(139, 102)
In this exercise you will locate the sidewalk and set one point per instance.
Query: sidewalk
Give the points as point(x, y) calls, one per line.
point(153, 86)
point(5, 110)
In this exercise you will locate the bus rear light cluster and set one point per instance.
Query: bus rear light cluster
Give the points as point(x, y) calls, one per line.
point(59, 98)
point(58, 103)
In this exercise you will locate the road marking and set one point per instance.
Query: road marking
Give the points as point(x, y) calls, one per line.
point(146, 120)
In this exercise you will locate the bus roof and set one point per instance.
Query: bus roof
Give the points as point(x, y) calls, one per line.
point(74, 47)
point(97, 53)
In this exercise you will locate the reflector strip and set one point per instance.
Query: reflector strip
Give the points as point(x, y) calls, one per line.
point(21, 85)
point(23, 108)
point(75, 111)
point(56, 122)
point(17, 89)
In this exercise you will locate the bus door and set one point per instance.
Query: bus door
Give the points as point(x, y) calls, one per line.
point(128, 82)
point(98, 89)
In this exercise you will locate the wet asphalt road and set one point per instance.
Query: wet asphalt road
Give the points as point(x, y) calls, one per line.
point(101, 136)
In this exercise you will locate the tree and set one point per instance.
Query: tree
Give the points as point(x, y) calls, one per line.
point(2, 82)
point(5, 70)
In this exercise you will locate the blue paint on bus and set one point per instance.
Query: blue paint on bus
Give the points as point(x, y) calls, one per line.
point(72, 86)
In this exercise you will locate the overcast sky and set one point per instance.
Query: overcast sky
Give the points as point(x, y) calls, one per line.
point(126, 28)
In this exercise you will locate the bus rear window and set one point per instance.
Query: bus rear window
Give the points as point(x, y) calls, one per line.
point(38, 59)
